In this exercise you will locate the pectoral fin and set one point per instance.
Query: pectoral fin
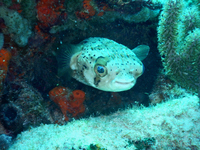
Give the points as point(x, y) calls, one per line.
point(141, 51)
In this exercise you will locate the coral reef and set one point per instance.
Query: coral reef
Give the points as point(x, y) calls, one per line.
point(11, 117)
point(173, 125)
point(31, 30)
point(32, 105)
point(179, 42)
point(163, 89)
point(28, 10)
point(22, 107)
point(5, 57)
point(49, 12)
point(87, 12)
point(17, 25)
point(101, 12)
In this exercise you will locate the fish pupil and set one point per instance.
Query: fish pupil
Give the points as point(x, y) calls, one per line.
point(100, 69)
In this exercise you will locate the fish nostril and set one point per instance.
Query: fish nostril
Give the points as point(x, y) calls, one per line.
point(135, 73)
point(131, 71)
point(117, 72)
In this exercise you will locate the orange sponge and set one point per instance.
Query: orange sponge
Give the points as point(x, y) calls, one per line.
point(76, 98)
point(49, 11)
point(87, 12)
point(57, 93)
point(69, 103)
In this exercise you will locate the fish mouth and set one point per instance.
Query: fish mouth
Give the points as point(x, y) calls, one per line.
point(124, 83)
point(121, 85)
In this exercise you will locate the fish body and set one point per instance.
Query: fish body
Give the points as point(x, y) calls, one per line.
point(102, 63)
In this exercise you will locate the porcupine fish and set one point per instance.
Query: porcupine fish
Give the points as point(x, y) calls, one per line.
point(102, 63)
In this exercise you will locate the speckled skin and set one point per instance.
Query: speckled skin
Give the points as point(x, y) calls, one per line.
point(120, 64)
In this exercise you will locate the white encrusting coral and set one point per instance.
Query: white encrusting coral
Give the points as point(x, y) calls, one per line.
point(173, 125)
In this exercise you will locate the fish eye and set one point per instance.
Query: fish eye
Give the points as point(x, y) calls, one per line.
point(100, 70)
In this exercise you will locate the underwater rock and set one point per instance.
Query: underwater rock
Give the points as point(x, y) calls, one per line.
point(5, 141)
point(2, 129)
point(163, 89)
point(94, 12)
point(16, 25)
point(11, 117)
point(28, 10)
point(26, 108)
point(33, 107)
point(5, 57)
